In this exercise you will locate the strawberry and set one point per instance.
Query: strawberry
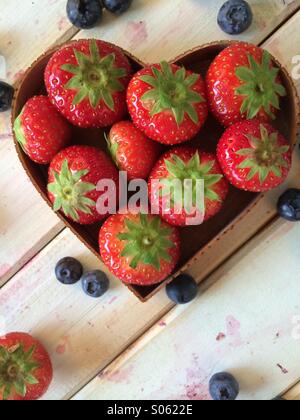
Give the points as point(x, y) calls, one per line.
point(254, 156)
point(25, 367)
point(139, 249)
point(72, 184)
point(167, 103)
point(40, 130)
point(243, 83)
point(131, 150)
point(87, 81)
point(181, 164)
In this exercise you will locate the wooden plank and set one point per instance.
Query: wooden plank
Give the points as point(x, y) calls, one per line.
point(81, 333)
point(231, 327)
point(293, 393)
point(158, 30)
point(27, 224)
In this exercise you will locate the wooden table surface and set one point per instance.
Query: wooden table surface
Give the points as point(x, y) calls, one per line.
point(246, 319)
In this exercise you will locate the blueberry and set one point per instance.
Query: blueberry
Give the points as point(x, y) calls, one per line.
point(6, 96)
point(95, 283)
point(182, 290)
point(84, 14)
point(288, 205)
point(117, 6)
point(235, 16)
point(223, 387)
point(68, 270)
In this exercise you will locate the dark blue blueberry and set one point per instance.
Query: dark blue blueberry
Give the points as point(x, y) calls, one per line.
point(68, 270)
point(6, 96)
point(182, 290)
point(84, 14)
point(288, 205)
point(117, 6)
point(235, 16)
point(223, 387)
point(95, 283)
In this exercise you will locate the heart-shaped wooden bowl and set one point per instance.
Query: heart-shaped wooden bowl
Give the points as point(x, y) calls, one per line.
point(194, 239)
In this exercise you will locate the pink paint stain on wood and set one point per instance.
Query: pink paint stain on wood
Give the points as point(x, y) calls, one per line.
point(112, 300)
point(136, 32)
point(122, 375)
point(220, 337)
point(196, 387)
point(63, 346)
point(283, 369)
point(18, 75)
point(5, 136)
point(233, 327)
point(162, 324)
point(4, 269)
point(60, 349)
point(61, 23)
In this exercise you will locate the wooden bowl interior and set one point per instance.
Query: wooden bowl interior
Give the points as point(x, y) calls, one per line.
point(194, 238)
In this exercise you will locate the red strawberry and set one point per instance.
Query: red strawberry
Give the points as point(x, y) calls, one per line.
point(187, 163)
point(139, 249)
point(87, 81)
point(41, 131)
point(131, 150)
point(25, 368)
point(243, 83)
point(72, 185)
point(254, 156)
point(167, 102)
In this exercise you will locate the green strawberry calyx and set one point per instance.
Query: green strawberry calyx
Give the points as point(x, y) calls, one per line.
point(172, 92)
point(17, 368)
point(266, 155)
point(95, 78)
point(146, 242)
point(260, 86)
point(19, 132)
point(70, 192)
point(192, 170)
point(112, 148)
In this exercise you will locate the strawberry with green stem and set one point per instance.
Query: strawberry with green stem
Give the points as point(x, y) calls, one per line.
point(72, 185)
point(207, 183)
point(167, 102)
point(87, 81)
point(254, 156)
point(25, 368)
point(138, 248)
point(41, 130)
point(244, 83)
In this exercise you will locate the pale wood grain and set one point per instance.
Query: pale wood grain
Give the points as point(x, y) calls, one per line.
point(249, 308)
point(82, 334)
point(162, 29)
point(293, 393)
point(27, 28)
